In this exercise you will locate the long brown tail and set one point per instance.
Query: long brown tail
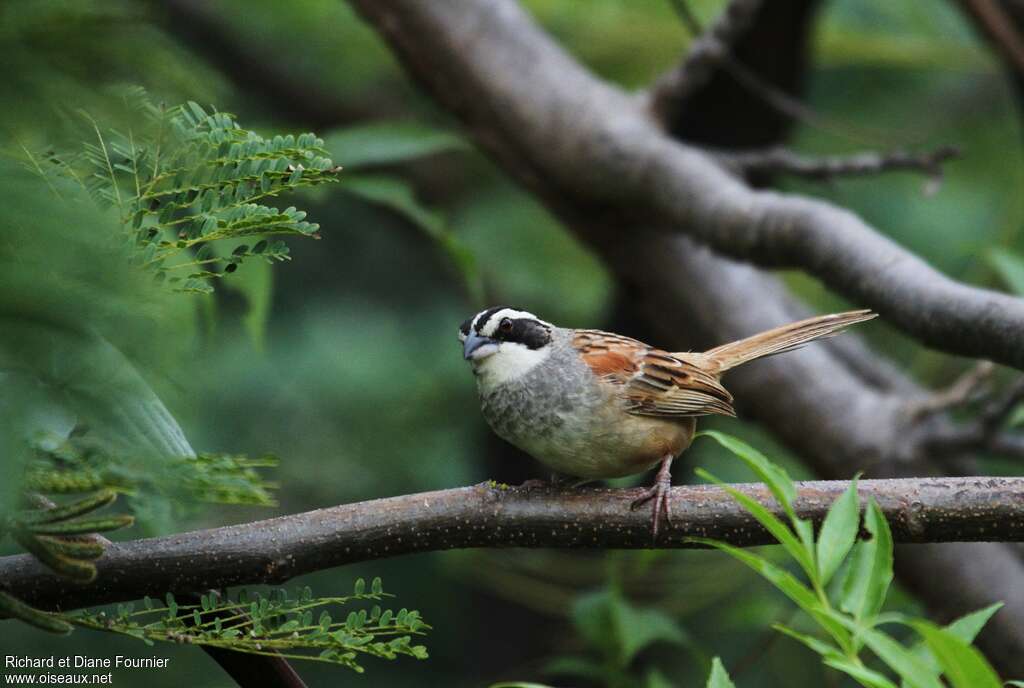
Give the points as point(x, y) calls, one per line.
point(781, 339)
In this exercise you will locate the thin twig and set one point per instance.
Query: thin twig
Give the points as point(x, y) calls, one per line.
point(983, 432)
point(964, 389)
point(785, 161)
point(712, 47)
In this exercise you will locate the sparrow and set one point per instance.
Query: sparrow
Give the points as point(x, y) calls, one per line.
point(593, 404)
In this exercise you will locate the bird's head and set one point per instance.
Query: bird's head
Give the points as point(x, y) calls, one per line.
point(504, 343)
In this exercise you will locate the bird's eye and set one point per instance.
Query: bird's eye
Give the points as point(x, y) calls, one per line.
point(505, 325)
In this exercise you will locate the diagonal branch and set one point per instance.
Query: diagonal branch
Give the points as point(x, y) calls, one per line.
point(580, 147)
point(598, 147)
point(488, 515)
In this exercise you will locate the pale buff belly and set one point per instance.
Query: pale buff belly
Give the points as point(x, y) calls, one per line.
point(587, 440)
point(616, 451)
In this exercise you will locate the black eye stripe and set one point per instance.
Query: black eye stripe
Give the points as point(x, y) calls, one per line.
point(483, 317)
point(464, 327)
point(527, 331)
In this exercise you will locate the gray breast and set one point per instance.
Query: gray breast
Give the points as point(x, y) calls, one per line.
point(544, 411)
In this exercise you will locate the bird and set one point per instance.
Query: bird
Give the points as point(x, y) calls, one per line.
point(596, 405)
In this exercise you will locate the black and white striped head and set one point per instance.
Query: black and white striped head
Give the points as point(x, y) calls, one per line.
point(503, 343)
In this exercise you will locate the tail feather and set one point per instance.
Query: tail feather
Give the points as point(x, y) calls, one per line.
point(781, 339)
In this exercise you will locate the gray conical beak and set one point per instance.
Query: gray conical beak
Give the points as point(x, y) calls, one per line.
point(476, 346)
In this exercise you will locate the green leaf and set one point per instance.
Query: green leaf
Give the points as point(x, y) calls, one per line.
point(779, 577)
point(870, 572)
point(771, 475)
point(963, 664)
point(821, 647)
point(254, 280)
point(1010, 268)
point(93, 502)
point(621, 631)
point(16, 609)
point(838, 533)
point(968, 626)
point(84, 526)
point(779, 530)
point(656, 679)
point(792, 588)
point(75, 569)
point(915, 672)
point(382, 143)
point(75, 548)
point(863, 675)
point(719, 678)
point(99, 385)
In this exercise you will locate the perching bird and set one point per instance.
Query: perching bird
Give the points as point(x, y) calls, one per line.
point(594, 404)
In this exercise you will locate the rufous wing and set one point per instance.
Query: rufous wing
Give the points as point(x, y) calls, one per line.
point(656, 383)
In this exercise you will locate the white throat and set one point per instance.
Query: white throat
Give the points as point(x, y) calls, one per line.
point(510, 362)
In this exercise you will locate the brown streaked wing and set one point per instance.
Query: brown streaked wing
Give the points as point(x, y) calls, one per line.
point(657, 383)
point(609, 355)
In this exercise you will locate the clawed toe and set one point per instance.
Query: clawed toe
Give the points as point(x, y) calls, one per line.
point(659, 493)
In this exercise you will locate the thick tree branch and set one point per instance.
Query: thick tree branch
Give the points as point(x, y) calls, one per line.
point(275, 550)
point(600, 148)
point(557, 131)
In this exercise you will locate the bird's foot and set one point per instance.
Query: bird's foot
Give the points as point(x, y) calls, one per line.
point(659, 493)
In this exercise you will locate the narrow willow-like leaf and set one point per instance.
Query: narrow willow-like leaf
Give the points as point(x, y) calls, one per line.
point(914, 672)
point(863, 675)
point(16, 609)
point(963, 664)
point(838, 533)
point(68, 567)
point(771, 475)
point(820, 646)
point(62, 513)
point(968, 626)
point(78, 547)
point(84, 526)
point(719, 677)
point(870, 572)
point(799, 593)
point(779, 577)
point(779, 530)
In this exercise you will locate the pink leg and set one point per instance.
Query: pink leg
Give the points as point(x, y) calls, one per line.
point(659, 492)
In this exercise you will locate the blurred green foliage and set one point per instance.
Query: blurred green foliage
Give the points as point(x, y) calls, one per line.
point(344, 361)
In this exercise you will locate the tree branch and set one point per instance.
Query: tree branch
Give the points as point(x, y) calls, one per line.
point(600, 148)
point(748, 99)
point(709, 49)
point(780, 160)
point(558, 130)
point(275, 550)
